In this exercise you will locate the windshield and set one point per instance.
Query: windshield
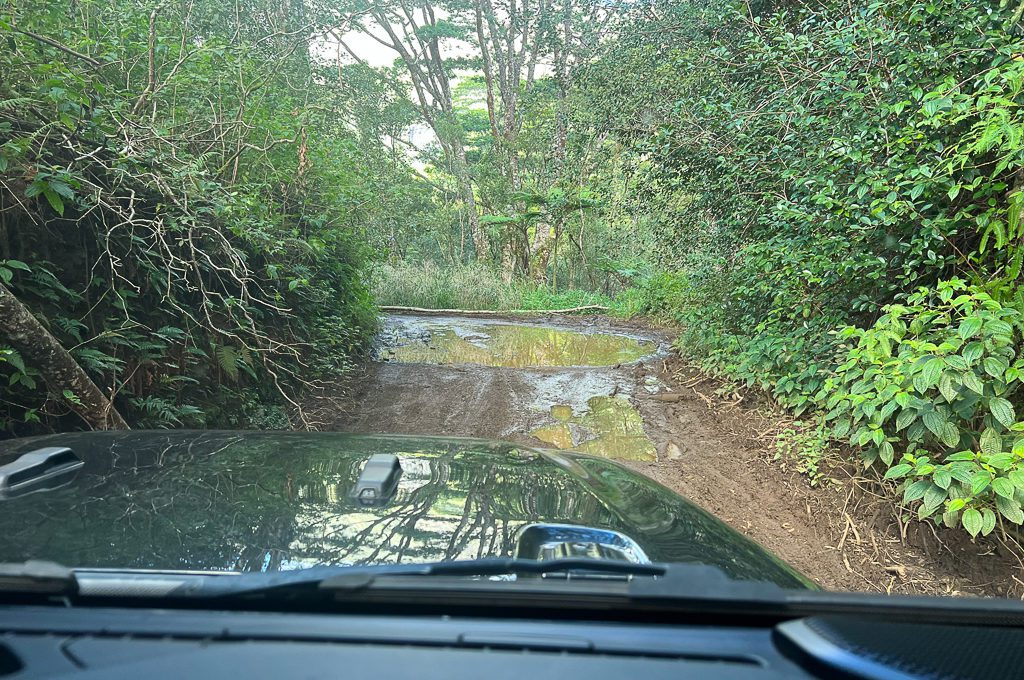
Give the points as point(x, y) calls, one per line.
point(737, 284)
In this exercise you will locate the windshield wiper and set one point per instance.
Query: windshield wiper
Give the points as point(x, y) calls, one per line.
point(682, 588)
point(37, 577)
point(338, 579)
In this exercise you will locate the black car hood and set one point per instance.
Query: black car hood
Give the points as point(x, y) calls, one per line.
point(262, 501)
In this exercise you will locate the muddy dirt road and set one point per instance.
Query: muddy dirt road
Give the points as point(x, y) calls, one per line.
point(612, 389)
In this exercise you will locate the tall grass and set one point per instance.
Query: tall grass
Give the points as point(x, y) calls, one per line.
point(471, 286)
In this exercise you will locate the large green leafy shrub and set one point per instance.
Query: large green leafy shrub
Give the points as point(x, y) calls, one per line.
point(929, 391)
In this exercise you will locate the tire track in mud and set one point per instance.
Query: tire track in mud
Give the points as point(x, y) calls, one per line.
point(715, 458)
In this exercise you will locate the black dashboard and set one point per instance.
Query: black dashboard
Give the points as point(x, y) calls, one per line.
point(79, 642)
point(157, 644)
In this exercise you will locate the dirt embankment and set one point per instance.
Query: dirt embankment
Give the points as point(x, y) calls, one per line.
point(716, 451)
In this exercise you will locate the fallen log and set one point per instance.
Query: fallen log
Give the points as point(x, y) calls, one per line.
point(64, 378)
point(491, 312)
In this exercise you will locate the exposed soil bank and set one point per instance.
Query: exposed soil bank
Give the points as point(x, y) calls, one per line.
point(714, 452)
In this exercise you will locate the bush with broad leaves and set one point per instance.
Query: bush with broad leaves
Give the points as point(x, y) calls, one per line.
point(929, 393)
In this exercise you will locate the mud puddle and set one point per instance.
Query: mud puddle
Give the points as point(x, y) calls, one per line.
point(454, 341)
point(610, 427)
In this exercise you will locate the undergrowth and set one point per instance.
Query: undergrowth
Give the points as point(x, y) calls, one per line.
point(806, 445)
point(471, 287)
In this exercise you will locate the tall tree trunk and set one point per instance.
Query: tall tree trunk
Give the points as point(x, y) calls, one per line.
point(461, 167)
point(540, 252)
point(59, 370)
point(485, 52)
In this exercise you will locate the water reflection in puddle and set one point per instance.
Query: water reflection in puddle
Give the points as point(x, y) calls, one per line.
point(611, 428)
point(511, 345)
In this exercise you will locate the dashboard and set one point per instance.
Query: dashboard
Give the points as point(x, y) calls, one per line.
point(87, 642)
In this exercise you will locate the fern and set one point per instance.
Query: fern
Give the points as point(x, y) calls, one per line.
point(96, 361)
point(227, 359)
point(16, 102)
point(72, 327)
point(157, 412)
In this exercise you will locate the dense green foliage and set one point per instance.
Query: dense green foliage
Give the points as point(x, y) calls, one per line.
point(181, 203)
point(833, 189)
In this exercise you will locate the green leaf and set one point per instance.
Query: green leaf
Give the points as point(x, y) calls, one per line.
point(55, 201)
point(1002, 410)
point(15, 264)
point(905, 418)
point(1000, 329)
point(1010, 509)
point(1000, 461)
point(886, 453)
point(935, 422)
point(980, 482)
point(972, 521)
point(969, 327)
point(924, 510)
point(946, 387)
point(227, 359)
point(931, 371)
point(931, 107)
point(991, 443)
point(14, 359)
point(957, 362)
point(995, 366)
point(61, 188)
point(972, 382)
point(916, 490)
point(956, 504)
point(988, 521)
point(934, 496)
point(942, 478)
point(973, 351)
point(1017, 477)
point(841, 428)
point(898, 471)
point(950, 435)
point(915, 432)
point(1003, 487)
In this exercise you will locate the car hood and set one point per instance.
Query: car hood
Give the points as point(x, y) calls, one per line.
point(264, 501)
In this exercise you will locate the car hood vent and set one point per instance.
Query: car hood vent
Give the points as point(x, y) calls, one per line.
point(559, 541)
point(377, 480)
